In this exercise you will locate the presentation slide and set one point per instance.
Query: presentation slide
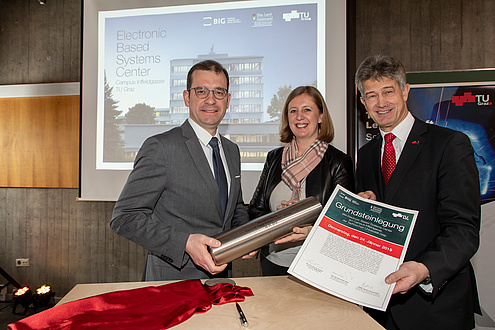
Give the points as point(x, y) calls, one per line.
point(144, 56)
point(136, 57)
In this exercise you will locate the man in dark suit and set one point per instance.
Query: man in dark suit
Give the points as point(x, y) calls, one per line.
point(172, 204)
point(430, 169)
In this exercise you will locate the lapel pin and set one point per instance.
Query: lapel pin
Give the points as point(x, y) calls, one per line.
point(415, 142)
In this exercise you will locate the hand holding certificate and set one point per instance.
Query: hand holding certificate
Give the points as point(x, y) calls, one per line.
point(353, 246)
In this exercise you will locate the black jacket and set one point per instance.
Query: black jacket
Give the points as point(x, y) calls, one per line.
point(334, 168)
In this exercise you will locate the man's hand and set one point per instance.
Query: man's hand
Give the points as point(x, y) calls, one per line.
point(368, 194)
point(409, 274)
point(197, 248)
point(298, 234)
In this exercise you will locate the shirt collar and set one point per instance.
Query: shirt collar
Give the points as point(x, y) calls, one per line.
point(402, 130)
point(203, 135)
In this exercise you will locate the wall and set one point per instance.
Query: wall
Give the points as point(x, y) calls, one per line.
point(69, 242)
point(428, 35)
point(40, 43)
point(66, 241)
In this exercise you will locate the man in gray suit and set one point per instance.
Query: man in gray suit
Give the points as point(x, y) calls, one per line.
point(171, 204)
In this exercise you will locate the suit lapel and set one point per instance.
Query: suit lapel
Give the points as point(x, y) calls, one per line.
point(378, 186)
point(201, 163)
point(412, 147)
point(377, 166)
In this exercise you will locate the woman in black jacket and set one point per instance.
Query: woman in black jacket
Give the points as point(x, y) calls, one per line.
point(307, 166)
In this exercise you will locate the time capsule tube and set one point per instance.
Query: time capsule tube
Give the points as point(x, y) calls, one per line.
point(264, 230)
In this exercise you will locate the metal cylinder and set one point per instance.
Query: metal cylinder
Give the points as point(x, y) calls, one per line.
point(264, 230)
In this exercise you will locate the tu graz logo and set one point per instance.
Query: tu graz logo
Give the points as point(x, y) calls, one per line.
point(468, 97)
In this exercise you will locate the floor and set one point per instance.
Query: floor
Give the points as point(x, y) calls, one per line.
point(7, 316)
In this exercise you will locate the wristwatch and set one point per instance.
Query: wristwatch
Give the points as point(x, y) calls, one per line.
point(426, 281)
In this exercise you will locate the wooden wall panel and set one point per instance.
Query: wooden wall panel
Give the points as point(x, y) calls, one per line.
point(40, 43)
point(39, 137)
point(428, 35)
point(67, 242)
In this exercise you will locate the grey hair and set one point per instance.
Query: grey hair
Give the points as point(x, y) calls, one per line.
point(378, 66)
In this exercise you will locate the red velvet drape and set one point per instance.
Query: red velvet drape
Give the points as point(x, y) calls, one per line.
point(159, 307)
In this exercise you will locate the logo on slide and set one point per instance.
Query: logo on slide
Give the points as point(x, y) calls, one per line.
point(294, 14)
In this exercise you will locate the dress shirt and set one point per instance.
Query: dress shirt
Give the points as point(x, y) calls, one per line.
point(401, 133)
point(204, 138)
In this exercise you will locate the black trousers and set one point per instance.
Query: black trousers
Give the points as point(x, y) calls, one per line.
point(268, 268)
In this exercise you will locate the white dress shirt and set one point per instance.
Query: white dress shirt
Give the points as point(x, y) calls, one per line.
point(401, 133)
point(204, 138)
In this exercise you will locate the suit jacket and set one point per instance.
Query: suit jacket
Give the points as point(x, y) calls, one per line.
point(334, 168)
point(437, 175)
point(171, 193)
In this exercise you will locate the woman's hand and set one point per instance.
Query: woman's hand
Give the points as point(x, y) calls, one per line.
point(298, 234)
point(285, 203)
point(250, 255)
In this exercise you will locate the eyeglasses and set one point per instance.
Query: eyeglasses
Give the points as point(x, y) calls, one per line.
point(203, 92)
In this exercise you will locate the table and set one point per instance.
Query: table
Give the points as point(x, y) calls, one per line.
point(279, 302)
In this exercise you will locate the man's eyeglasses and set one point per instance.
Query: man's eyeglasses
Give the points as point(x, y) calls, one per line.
point(203, 92)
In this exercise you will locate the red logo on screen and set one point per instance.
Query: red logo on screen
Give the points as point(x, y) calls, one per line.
point(460, 100)
point(468, 97)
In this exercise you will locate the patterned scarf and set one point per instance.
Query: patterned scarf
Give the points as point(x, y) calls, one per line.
point(295, 170)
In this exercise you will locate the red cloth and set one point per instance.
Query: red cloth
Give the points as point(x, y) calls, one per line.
point(154, 307)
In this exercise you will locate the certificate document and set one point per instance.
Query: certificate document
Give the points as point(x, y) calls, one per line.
point(353, 246)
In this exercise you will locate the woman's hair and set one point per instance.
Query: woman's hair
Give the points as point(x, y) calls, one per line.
point(326, 130)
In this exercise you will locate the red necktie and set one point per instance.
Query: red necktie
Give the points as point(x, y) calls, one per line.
point(388, 160)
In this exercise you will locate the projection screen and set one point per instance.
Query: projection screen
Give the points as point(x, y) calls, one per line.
point(135, 58)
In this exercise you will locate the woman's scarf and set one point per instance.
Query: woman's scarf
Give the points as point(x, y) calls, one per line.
point(296, 169)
